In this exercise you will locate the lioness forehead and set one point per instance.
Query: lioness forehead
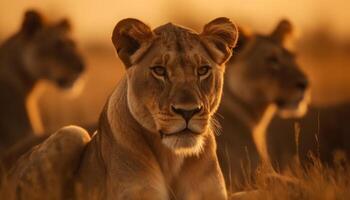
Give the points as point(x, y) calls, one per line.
point(177, 38)
point(180, 46)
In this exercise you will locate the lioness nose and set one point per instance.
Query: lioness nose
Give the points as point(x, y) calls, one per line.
point(302, 84)
point(187, 114)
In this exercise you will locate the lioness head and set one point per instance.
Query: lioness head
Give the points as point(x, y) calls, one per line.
point(175, 77)
point(48, 51)
point(267, 73)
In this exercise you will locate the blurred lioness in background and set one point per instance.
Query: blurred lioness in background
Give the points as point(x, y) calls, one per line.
point(261, 80)
point(38, 51)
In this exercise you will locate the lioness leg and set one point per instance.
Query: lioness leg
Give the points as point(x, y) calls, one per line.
point(46, 171)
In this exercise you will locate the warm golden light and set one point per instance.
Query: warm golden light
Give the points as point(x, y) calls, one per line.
point(319, 45)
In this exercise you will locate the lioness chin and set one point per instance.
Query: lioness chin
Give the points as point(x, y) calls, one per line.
point(155, 138)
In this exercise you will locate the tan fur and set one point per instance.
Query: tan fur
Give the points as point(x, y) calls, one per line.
point(39, 50)
point(145, 146)
point(263, 79)
point(42, 173)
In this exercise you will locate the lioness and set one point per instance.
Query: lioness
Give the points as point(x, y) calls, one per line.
point(262, 79)
point(37, 51)
point(155, 138)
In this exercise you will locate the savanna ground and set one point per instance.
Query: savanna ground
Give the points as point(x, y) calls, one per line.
point(314, 181)
point(326, 65)
point(302, 181)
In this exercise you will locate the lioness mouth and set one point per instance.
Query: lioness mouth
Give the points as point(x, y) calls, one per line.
point(65, 83)
point(184, 132)
point(281, 103)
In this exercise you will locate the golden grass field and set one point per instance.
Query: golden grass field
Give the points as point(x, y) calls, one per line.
point(312, 182)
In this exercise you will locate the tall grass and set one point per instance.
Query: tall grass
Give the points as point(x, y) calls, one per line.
point(307, 181)
point(312, 181)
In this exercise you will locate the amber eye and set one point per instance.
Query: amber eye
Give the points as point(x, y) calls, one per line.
point(204, 70)
point(159, 70)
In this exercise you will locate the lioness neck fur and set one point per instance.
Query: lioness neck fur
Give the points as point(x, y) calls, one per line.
point(155, 138)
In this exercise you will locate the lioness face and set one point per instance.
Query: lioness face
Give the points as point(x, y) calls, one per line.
point(175, 86)
point(49, 51)
point(268, 73)
point(180, 89)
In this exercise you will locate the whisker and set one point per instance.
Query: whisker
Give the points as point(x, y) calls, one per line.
point(215, 125)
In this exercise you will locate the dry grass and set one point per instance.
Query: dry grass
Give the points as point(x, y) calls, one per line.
point(309, 181)
point(314, 181)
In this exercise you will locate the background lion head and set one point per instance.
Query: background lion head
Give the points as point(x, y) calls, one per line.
point(265, 72)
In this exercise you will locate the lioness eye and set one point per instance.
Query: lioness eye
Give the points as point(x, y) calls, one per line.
point(159, 70)
point(202, 71)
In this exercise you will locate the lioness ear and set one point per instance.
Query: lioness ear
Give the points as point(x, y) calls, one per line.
point(282, 31)
point(32, 22)
point(128, 36)
point(219, 37)
point(64, 25)
point(244, 37)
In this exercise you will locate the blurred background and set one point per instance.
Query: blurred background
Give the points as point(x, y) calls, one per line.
point(321, 40)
